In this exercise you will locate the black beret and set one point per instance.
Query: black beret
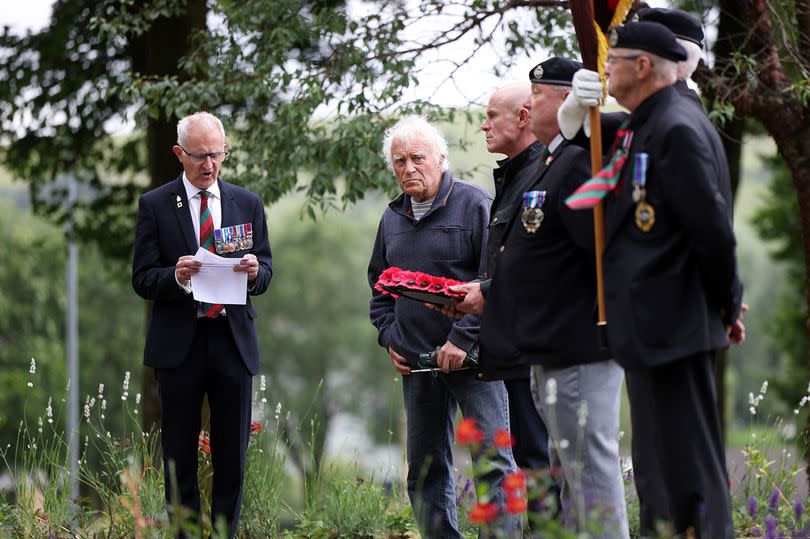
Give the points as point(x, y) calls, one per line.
point(647, 36)
point(557, 71)
point(682, 24)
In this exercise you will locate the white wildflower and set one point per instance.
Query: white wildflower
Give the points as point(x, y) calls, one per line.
point(551, 391)
point(753, 410)
point(33, 368)
point(621, 434)
point(103, 404)
point(100, 391)
point(49, 411)
point(262, 383)
point(87, 411)
point(764, 388)
point(582, 414)
point(39, 423)
point(137, 398)
point(563, 444)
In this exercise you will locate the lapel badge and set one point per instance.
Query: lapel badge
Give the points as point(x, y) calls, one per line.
point(179, 202)
point(532, 214)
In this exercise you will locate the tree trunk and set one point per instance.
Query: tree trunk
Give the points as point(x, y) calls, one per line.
point(158, 52)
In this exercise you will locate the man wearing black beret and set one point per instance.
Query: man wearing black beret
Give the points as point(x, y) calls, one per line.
point(689, 34)
point(540, 312)
point(671, 287)
point(587, 85)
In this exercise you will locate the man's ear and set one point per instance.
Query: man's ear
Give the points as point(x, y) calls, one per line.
point(523, 117)
point(177, 151)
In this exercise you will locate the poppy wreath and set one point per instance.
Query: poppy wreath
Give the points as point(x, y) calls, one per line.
point(397, 282)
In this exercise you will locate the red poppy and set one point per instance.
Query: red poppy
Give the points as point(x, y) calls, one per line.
point(515, 481)
point(255, 427)
point(503, 439)
point(482, 513)
point(467, 432)
point(516, 504)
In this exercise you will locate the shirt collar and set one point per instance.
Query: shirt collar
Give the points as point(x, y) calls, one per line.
point(191, 190)
point(555, 142)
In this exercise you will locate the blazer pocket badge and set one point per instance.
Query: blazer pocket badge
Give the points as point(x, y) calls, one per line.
point(233, 238)
point(532, 214)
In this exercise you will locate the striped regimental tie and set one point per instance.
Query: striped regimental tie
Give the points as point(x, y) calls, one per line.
point(211, 310)
point(592, 191)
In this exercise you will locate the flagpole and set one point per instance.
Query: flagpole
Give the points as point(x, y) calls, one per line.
point(598, 227)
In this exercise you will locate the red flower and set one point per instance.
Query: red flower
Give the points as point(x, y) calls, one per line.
point(503, 439)
point(205, 443)
point(514, 481)
point(255, 427)
point(516, 504)
point(467, 432)
point(482, 513)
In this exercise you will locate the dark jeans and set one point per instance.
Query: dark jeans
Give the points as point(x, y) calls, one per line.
point(431, 403)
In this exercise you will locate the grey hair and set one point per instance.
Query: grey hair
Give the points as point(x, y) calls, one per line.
point(409, 128)
point(184, 125)
point(688, 66)
point(663, 69)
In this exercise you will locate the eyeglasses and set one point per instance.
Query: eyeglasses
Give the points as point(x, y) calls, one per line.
point(200, 157)
point(612, 59)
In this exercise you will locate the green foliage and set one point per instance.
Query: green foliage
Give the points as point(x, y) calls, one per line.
point(779, 222)
point(33, 296)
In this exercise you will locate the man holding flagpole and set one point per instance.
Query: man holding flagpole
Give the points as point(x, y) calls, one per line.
point(671, 287)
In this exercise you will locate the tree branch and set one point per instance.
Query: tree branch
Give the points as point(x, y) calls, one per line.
point(803, 27)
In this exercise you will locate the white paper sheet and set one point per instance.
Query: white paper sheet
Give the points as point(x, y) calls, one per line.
point(216, 282)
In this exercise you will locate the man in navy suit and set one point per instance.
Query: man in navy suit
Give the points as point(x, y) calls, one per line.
point(199, 349)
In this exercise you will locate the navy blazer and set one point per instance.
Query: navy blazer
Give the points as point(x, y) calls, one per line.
point(670, 291)
point(165, 232)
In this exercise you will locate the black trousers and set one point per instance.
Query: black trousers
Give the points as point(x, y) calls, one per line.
point(213, 367)
point(678, 455)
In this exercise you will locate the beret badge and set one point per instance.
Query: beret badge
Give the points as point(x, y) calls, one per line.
point(538, 72)
point(613, 37)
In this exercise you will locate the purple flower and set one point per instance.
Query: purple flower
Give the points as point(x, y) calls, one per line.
point(770, 527)
point(798, 510)
point(752, 507)
point(756, 532)
point(773, 500)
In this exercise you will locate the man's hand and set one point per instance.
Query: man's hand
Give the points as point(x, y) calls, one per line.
point(451, 357)
point(399, 362)
point(735, 333)
point(473, 302)
point(186, 267)
point(250, 265)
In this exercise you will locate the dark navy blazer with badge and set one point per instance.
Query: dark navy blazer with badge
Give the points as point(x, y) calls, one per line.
point(165, 232)
point(512, 178)
point(669, 292)
point(541, 307)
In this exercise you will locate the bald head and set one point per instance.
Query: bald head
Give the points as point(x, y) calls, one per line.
point(507, 126)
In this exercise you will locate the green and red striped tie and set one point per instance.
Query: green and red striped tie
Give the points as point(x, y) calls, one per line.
point(592, 191)
point(211, 310)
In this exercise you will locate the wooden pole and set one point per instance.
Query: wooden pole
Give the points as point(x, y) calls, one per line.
point(598, 225)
